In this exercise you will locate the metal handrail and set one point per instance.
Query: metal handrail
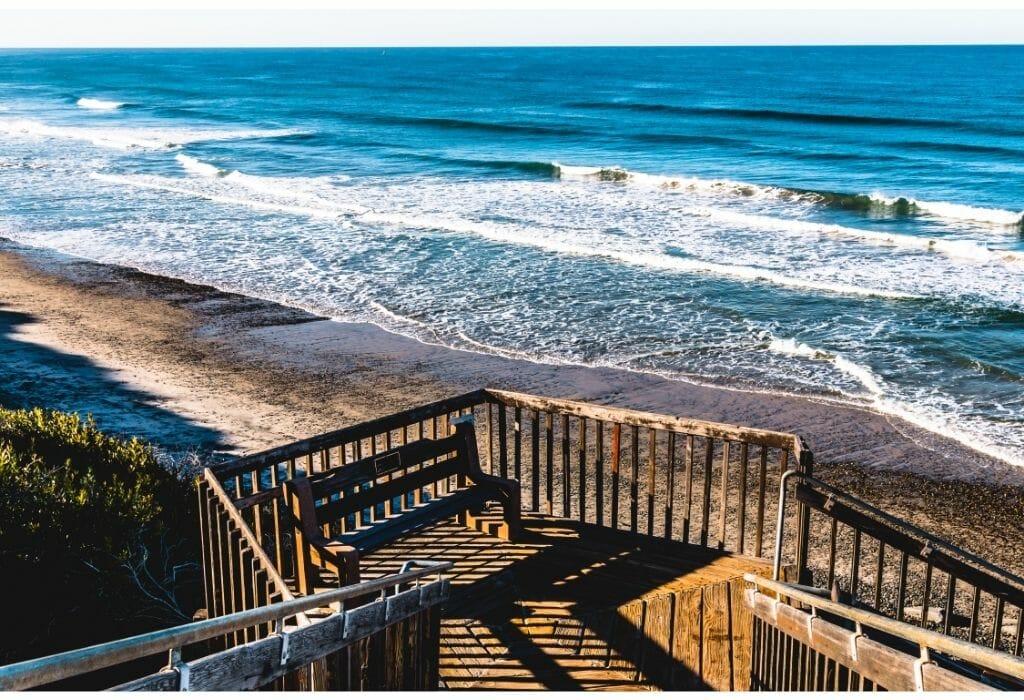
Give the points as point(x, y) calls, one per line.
point(927, 639)
point(49, 669)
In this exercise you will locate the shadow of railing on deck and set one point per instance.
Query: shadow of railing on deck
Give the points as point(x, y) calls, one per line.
point(577, 613)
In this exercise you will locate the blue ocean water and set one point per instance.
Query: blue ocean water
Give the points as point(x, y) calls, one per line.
point(843, 223)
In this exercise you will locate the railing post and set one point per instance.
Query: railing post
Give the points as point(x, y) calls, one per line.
point(804, 516)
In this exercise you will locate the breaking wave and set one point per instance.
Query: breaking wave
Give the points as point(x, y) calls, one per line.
point(863, 374)
point(198, 167)
point(306, 203)
point(152, 138)
point(875, 203)
point(959, 249)
point(92, 103)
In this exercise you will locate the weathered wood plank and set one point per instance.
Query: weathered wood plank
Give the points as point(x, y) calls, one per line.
point(723, 506)
point(628, 634)
point(643, 419)
point(705, 508)
point(656, 662)
point(716, 661)
point(302, 448)
point(740, 631)
point(686, 640)
point(881, 664)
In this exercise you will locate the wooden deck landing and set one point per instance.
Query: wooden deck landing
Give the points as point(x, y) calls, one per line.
point(576, 607)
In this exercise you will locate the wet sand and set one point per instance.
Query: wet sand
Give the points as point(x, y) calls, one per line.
point(202, 373)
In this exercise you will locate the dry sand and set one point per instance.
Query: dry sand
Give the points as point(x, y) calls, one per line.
point(197, 370)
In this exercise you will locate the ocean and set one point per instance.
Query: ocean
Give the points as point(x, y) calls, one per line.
point(838, 223)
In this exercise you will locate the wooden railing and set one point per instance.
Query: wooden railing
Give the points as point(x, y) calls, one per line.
point(388, 643)
point(237, 574)
point(905, 573)
point(694, 481)
point(705, 483)
point(254, 481)
point(803, 642)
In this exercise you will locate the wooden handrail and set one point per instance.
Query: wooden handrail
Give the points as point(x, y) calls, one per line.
point(911, 539)
point(301, 448)
point(972, 653)
point(49, 669)
point(645, 419)
point(254, 543)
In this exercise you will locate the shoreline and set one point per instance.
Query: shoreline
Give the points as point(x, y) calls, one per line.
point(201, 373)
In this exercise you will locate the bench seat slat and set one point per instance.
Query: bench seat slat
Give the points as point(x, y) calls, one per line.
point(317, 499)
point(378, 465)
point(383, 532)
point(381, 493)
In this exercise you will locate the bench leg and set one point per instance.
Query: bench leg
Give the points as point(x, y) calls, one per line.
point(487, 523)
point(507, 527)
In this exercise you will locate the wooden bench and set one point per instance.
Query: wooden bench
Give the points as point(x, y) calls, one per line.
point(382, 487)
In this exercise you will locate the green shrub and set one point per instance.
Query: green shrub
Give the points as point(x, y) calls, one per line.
point(94, 535)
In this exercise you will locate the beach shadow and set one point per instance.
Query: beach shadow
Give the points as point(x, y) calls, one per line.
point(36, 375)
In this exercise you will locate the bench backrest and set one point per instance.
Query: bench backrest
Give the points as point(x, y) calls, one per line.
point(391, 476)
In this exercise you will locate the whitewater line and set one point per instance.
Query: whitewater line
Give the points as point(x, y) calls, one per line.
point(957, 249)
point(661, 261)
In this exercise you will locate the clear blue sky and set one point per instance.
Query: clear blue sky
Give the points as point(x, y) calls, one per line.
point(48, 23)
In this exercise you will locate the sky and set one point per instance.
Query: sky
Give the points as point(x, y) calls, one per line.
point(147, 23)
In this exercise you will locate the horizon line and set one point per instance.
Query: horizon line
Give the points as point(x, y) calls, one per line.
point(513, 46)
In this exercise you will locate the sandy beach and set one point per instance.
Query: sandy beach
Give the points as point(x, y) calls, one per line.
point(203, 373)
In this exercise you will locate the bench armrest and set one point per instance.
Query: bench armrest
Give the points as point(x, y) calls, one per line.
point(312, 549)
point(508, 495)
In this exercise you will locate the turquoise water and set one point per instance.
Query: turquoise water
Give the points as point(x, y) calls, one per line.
point(843, 223)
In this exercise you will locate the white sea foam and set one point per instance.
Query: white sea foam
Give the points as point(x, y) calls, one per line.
point(307, 190)
point(591, 249)
point(670, 182)
point(950, 426)
point(93, 103)
point(165, 185)
point(129, 138)
point(288, 197)
point(961, 212)
point(863, 374)
point(198, 167)
point(976, 251)
point(941, 210)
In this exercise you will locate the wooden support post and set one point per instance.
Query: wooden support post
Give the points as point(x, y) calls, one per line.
point(599, 472)
point(581, 444)
point(549, 453)
point(634, 482)
point(517, 448)
point(741, 507)
point(724, 504)
point(762, 476)
point(566, 475)
point(705, 508)
point(651, 476)
point(688, 498)
point(535, 461)
point(671, 487)
point(616, 457)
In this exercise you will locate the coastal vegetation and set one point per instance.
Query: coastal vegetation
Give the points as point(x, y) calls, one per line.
point(97, 536)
